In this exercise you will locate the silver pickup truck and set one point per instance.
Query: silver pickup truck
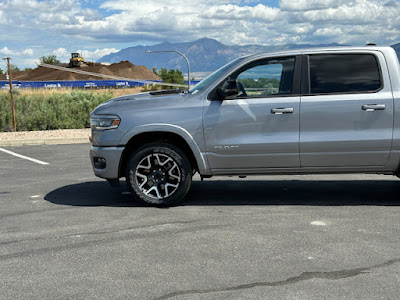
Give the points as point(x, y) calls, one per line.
point(330, 110)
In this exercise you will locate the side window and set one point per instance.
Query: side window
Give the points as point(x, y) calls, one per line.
point(266, 77)
point(344, 73)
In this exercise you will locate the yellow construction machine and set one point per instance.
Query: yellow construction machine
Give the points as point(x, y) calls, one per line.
point(77, 61)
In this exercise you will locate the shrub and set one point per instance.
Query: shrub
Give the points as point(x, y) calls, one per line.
point(54, 111)
point(49, 59)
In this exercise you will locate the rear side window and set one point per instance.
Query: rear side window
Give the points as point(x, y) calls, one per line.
point(344, 73)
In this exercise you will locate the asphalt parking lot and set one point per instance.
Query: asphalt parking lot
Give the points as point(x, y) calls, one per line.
point(65, 234)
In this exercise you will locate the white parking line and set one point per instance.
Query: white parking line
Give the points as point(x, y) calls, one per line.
point(24, 157)
point(318, 223)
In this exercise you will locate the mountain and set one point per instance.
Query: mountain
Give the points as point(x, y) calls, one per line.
point(396, 48)
point(205, 55)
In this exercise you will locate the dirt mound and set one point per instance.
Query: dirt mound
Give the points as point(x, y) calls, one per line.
point(128, 70)
point(99, 69)
point(123, 69)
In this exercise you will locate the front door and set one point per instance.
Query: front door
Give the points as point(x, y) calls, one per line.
point(258, 128)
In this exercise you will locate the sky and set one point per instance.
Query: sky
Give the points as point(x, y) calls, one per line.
point(30, 29)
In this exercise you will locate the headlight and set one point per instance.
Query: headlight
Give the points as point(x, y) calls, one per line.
point(105, 122)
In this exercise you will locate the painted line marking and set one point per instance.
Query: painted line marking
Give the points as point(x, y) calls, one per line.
point(318, 223)
point(35, 196)
point(24, 157)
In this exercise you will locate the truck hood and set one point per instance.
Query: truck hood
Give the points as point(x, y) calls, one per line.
point(141, 101)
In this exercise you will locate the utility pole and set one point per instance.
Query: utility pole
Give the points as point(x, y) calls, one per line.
point(11, 92)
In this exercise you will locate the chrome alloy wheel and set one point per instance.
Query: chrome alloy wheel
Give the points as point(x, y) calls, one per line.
point(158, 176)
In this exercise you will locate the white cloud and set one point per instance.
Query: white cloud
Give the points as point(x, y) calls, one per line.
point(305, 5)
point(360, 12)
point(328, 32)
point(61, 52)
point(307, 21)
point(90, 55)
point(229, 12)
point(39, 14)
point(31, 62)
point(22, 58)
point(63, 26)
point(27, 52)
point(2, 17)
point(6, 51)
point(96, 54)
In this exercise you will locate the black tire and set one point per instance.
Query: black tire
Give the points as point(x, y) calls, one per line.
point(159, 174)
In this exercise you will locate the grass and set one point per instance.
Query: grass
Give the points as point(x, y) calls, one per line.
point(46, 109)
point(60, 91)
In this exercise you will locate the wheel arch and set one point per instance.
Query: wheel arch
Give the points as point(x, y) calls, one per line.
point(183, 141)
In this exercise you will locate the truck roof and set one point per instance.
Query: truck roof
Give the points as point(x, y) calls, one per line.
point(325, 50)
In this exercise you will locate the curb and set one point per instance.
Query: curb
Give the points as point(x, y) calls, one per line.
point(49, 141)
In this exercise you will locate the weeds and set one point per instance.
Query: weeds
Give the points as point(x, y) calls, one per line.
point(64, 108)
point(50, 111)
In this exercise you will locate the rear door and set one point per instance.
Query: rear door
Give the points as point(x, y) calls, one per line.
point(346, 112)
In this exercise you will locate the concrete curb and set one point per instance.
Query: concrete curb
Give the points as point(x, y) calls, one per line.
point(48, 141)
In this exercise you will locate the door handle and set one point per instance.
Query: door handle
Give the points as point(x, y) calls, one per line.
point(372, 107)
point(279, 111)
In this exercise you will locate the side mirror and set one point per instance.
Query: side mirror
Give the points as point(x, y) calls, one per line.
point(228, 88)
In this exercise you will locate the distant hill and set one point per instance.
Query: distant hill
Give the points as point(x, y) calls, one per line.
point(396, 48)
point(204, 55)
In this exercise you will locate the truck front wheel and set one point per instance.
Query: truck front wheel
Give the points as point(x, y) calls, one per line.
point(159, 174)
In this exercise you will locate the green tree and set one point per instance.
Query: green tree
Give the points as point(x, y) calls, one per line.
point(171, 76)
point(49, 59)
point(1, 71)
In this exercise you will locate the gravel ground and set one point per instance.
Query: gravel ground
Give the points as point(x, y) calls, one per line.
point(63, 136)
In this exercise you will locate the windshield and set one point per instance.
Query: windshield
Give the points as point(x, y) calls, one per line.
point(212, 77)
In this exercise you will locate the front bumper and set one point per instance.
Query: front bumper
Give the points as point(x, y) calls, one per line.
point(111, 157)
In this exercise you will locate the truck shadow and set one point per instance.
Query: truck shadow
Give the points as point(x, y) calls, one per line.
point(248, 192)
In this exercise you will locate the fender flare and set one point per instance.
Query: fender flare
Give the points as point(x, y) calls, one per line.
point(183, 133)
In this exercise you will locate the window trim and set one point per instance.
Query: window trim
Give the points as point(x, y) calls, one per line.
point(306, 82)
point(296, 81)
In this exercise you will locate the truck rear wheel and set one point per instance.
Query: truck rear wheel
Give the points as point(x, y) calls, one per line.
point(159, 174)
